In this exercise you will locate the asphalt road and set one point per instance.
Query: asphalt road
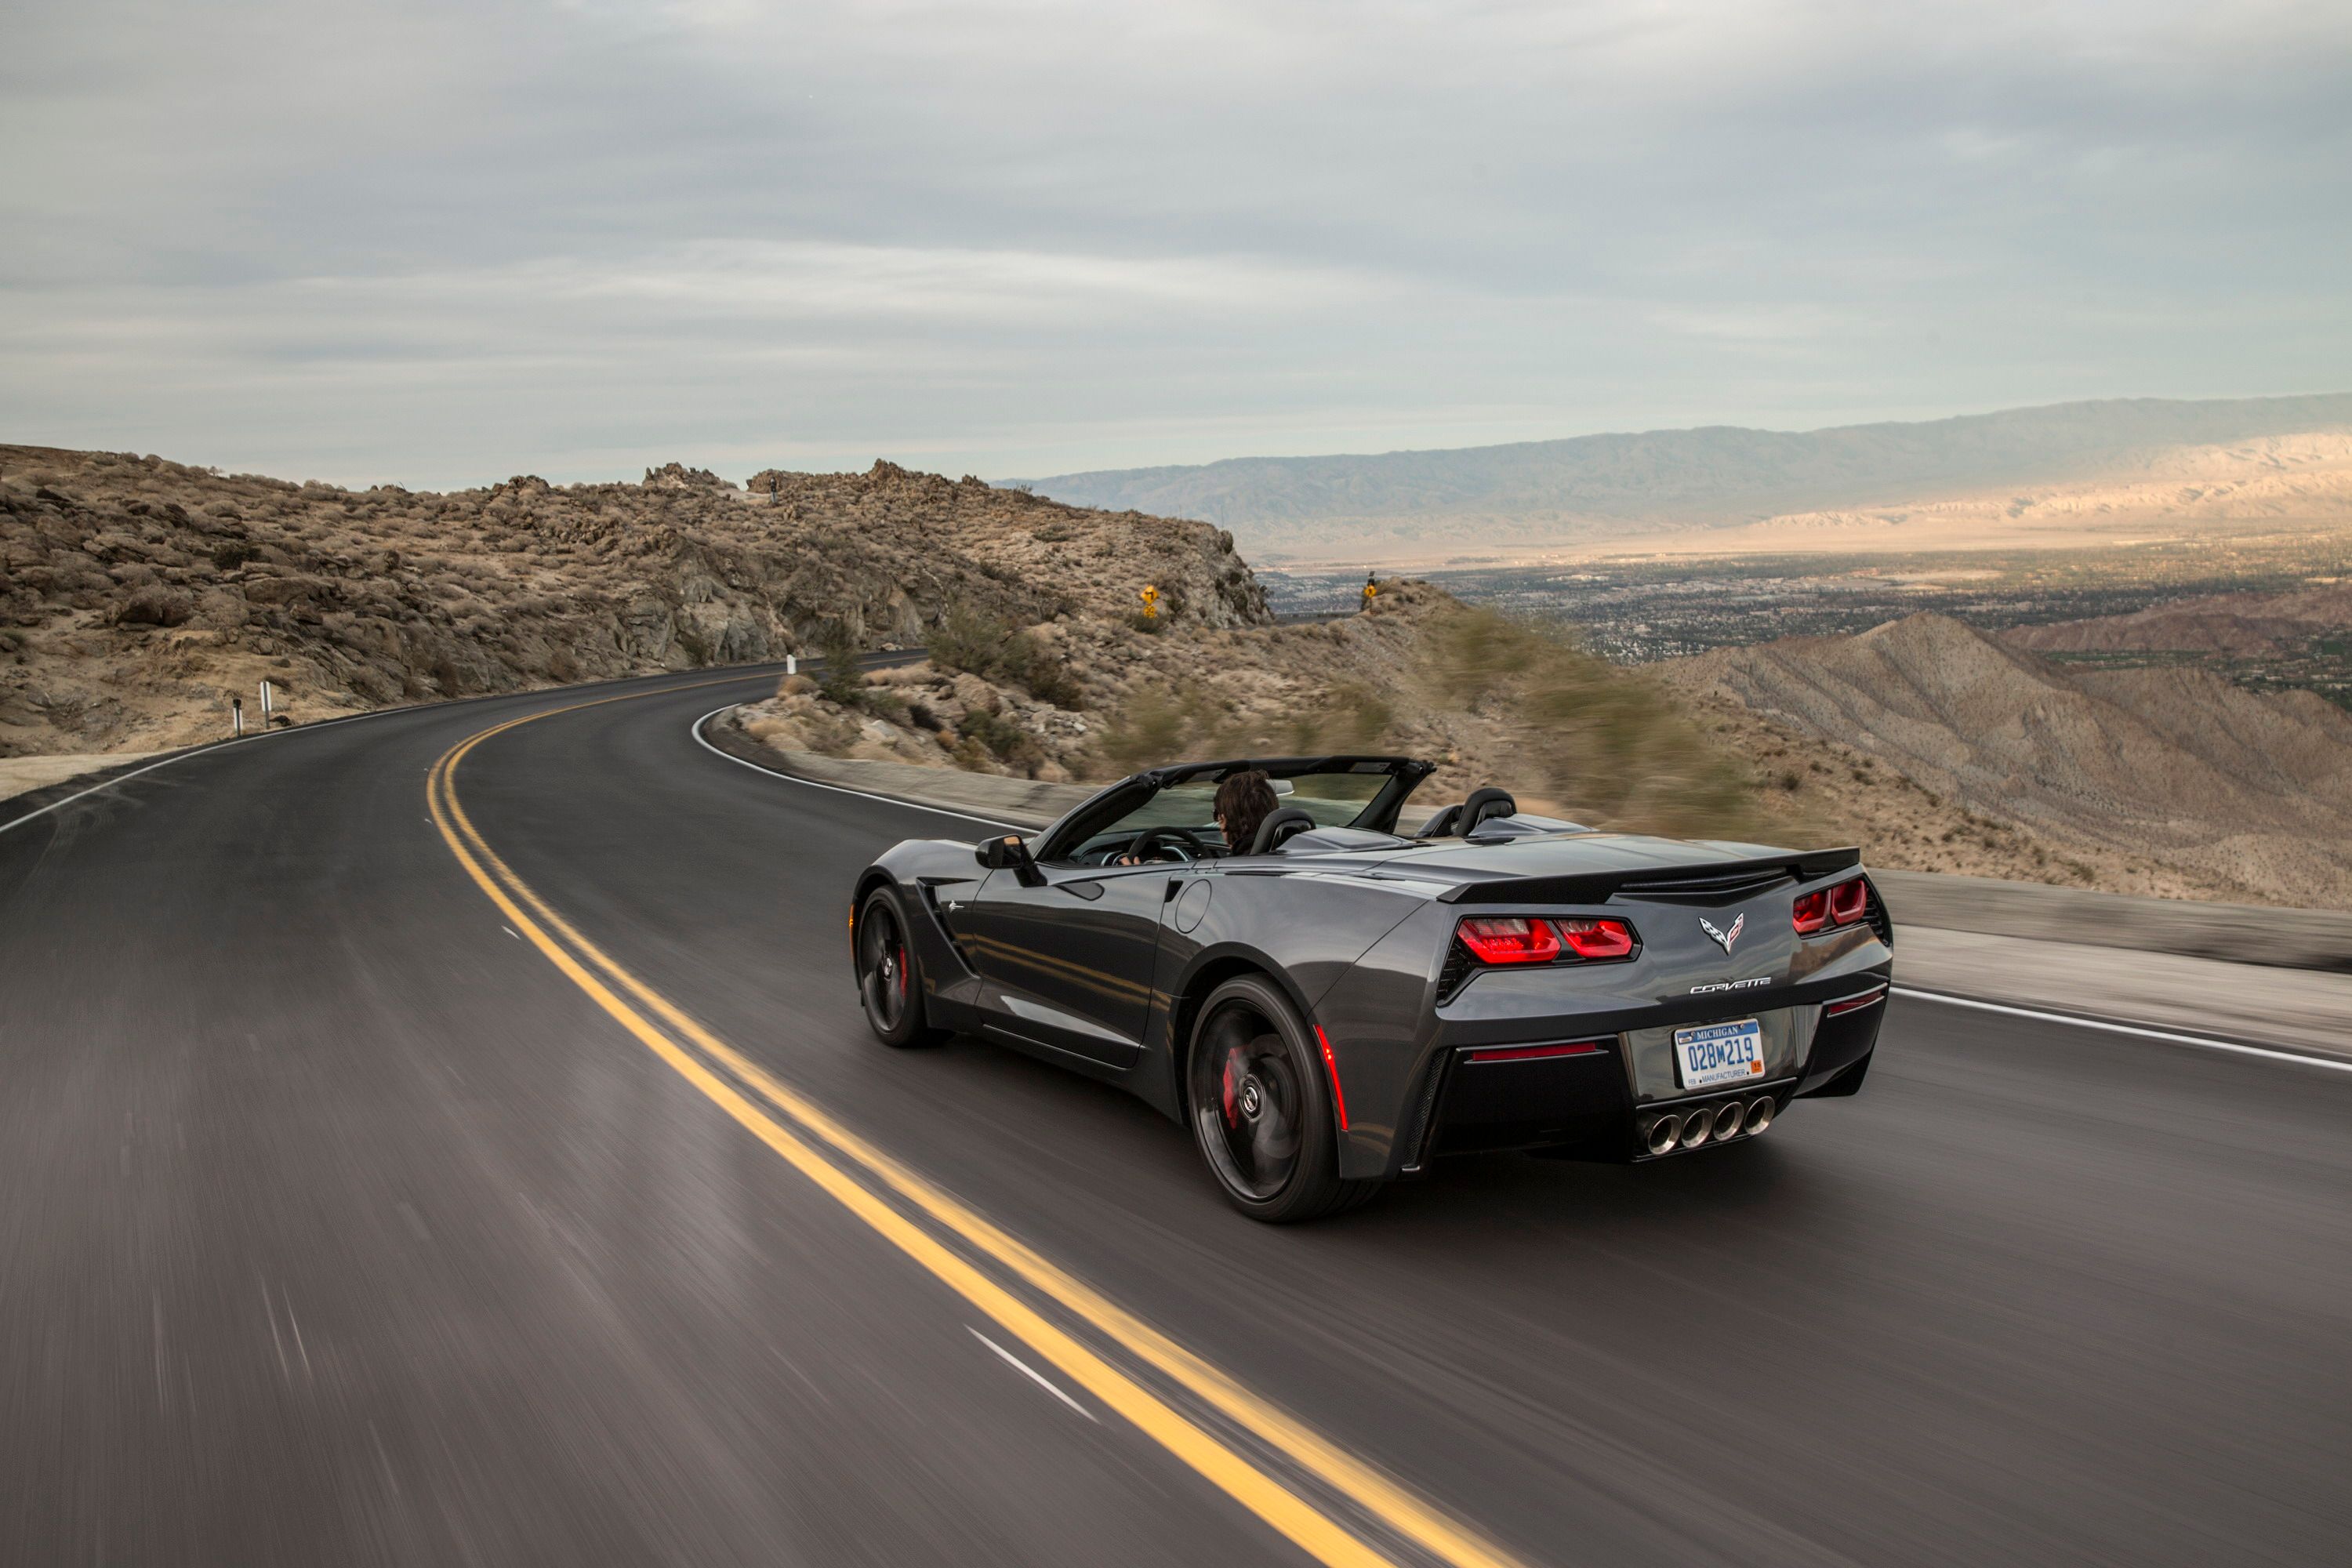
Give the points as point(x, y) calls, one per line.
point(339, 1223)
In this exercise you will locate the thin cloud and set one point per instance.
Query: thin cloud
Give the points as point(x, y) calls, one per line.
point(439, 241)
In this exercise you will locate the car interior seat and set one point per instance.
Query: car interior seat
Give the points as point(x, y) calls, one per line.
point(1287, 822)
point(1460, 821)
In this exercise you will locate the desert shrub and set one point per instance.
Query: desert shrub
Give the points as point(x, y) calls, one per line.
point(1350, 717)
point(1609, 743)
point(1006, 740)
point(1161, 724)
point(230, 555)
point(840, 680)
point(827, 734)
point(885, 704)
point(1047, 677)
point(1149, 625)
point(989, 646)
point(967, 640)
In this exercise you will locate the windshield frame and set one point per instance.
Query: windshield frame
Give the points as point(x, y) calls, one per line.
point(1065, 837)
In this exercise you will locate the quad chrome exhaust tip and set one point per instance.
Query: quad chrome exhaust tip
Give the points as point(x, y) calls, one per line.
point(1709, 1124)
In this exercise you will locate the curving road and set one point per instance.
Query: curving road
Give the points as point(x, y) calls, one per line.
point(504, 1174)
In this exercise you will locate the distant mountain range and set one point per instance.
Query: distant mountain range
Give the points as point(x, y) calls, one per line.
point(1590, 487)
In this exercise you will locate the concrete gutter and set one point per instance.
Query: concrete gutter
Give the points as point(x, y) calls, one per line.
point(2234, 933)
point(1021, 802)
point(22, 775)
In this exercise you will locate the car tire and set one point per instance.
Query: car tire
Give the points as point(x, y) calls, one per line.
point(1260, 1106)
point(890, 974)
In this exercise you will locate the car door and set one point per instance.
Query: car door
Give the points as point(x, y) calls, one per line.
point(1069, 954)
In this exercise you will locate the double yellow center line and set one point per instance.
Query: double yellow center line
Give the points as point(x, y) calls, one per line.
point(855, 1174)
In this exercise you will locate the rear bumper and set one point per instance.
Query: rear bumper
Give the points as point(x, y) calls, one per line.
point(1559, 1087)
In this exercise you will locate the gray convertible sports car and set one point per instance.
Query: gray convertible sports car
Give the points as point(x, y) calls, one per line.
point(1336, 1004)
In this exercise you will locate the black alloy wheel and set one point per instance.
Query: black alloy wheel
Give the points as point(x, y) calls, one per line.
point(890, 975)
point(1261, 1110)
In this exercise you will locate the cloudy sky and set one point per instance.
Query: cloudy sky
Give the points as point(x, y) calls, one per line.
point(444, 243)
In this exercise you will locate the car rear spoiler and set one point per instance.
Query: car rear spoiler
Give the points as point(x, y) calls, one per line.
point(1712, 881)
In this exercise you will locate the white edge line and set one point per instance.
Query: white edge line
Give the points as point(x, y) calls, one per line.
point(2205, 1042)
point(696, 729)
point(122, 778)
point(1030, 1372)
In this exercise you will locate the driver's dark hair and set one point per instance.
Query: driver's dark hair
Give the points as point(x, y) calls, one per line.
point(1245, 800)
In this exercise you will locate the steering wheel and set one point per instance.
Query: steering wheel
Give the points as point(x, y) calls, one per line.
point(1187, 842)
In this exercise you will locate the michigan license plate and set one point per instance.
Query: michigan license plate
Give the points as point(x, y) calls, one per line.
point(1709, 1054)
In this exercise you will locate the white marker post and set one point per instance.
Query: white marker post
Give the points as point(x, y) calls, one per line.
point(265, 705)
point(236, 717)
point(791, 664)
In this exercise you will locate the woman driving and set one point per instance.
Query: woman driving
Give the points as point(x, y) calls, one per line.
point(1243, 802)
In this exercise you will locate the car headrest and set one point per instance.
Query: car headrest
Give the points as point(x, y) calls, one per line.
point(1279, 827)
point(1482, 805)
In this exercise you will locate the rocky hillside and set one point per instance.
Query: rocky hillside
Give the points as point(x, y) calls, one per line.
point(137, 595)
point(2161, 779)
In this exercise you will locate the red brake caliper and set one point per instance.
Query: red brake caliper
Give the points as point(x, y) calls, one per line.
point(1227, 1092)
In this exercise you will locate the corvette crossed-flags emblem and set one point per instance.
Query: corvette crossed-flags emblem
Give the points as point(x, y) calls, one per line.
point(1724, 939)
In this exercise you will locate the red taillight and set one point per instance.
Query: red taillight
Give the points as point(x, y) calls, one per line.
point(1516, 939)
point(1509, 940)
point(1825, 907)
point(1598, 939)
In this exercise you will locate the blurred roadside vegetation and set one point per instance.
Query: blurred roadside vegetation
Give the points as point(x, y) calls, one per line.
point(1498, 700)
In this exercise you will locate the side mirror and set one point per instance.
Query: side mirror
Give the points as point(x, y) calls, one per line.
point(1009, 853)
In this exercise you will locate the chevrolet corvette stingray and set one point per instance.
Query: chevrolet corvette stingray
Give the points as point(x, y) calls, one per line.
point(1340, 1003)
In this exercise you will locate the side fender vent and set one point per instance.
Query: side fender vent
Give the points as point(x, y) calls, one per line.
point(1876, 913)
point(1456, 972)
